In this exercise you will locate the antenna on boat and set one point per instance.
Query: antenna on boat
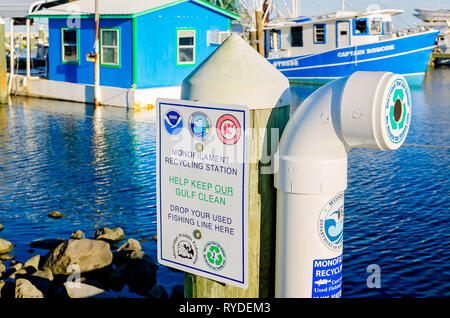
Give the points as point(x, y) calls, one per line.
point(343, 5)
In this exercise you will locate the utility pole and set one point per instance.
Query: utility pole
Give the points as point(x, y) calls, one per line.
point(97, 92)
point(28, 50)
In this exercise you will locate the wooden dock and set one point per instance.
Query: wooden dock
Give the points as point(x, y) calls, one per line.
point(437, 58)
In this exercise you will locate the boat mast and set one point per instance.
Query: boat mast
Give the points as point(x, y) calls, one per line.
point(343, 5)
point(296, 8)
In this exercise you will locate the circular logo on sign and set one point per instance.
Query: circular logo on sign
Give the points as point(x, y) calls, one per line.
point(199, 124)
point(331, 222)
point(184, 247)
point(214, 256)
point(173, 122)
point(228, 129)
point(398, 111)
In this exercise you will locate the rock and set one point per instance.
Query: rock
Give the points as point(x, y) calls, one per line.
point(6, 257)
point(82, 290)
point(158, 292)
point(177, 292)
point(141, 274)
point(109, 235)
point(2, 283)
point(46, 244)
point(88, 254)
point(1, 227)
point(131, 249)
point(25, 289)
point(118, 279)
point(5, 246)
point(77, 235)
point(33, 262)
point(56, 214)
point(2, 267)
point(17, 273)
point(46, 273)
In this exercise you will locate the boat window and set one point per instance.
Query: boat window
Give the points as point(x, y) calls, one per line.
point(69, 45)
point(387, 27)
point(275, 40)
point(360, 26)
point(319, 34)
point(109, 39)
point(297, 36)
point(185, 47)
point(376, 27)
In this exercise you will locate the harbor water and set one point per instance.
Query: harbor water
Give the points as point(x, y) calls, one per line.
point(97, 166)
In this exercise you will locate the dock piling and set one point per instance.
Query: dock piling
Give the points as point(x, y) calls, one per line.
point(3, 77)
point(236, 74)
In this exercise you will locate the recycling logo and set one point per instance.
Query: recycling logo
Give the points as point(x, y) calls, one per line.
point(398, 111)
point(214, 256)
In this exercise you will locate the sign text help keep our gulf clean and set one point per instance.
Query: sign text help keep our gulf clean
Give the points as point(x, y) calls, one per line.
point(202, 185)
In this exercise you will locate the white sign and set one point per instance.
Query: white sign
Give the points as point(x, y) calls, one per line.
point(202, 189)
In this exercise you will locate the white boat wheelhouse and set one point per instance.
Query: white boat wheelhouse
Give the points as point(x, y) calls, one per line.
point(309, 35)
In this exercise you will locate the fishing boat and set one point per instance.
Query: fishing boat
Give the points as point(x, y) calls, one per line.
point(437, 19)
point(319, 49)
point(433, 15)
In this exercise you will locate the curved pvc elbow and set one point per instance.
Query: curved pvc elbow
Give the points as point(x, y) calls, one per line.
point(366, 109)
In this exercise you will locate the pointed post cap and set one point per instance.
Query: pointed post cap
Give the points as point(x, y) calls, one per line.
point(237, 74)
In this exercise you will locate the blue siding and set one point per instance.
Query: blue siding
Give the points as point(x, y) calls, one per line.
point(156, 46)
point(83, 72)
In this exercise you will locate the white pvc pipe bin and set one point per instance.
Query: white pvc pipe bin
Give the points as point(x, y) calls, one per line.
point(367, 109)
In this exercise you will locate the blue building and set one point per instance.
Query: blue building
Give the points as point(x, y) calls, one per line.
point(143, 44)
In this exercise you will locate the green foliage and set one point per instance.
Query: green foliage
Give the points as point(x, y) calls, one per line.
point(229, 5)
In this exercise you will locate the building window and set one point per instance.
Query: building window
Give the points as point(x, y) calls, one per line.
point(297, 36)
point(110, 47)
point(185, 47)
point(360, 26)
point(319, 34)
point(69, 45)
point(376, 27)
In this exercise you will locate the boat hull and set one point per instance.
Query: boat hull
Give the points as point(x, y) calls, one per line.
point(408, 55)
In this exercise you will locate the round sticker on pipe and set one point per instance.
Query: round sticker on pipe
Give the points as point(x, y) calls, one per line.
point(397, 111)
point(331, 222)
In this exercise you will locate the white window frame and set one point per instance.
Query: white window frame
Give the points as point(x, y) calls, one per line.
point(180, 32)
point(63, 46)
point(117, 47)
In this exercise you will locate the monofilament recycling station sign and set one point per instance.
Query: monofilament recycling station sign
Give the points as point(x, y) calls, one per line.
point(202, 189)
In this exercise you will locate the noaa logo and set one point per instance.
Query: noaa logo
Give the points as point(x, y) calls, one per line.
point(214, 256)
point(331, 222)
point(173, 122)
point(228, 129)
point(200, 125)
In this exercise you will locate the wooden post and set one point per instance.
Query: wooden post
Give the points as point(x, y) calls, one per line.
point(253, 39)
point(11, 55)
point(260, 32)
point(236, 74)
point(3, 77)
point(28, 50)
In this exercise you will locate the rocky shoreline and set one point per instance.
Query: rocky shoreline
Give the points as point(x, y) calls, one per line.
point(81, 267)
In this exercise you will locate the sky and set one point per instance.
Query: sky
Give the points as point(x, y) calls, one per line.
point(313, 7)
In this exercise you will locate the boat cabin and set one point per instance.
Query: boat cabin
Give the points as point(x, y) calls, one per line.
point(307, 35)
